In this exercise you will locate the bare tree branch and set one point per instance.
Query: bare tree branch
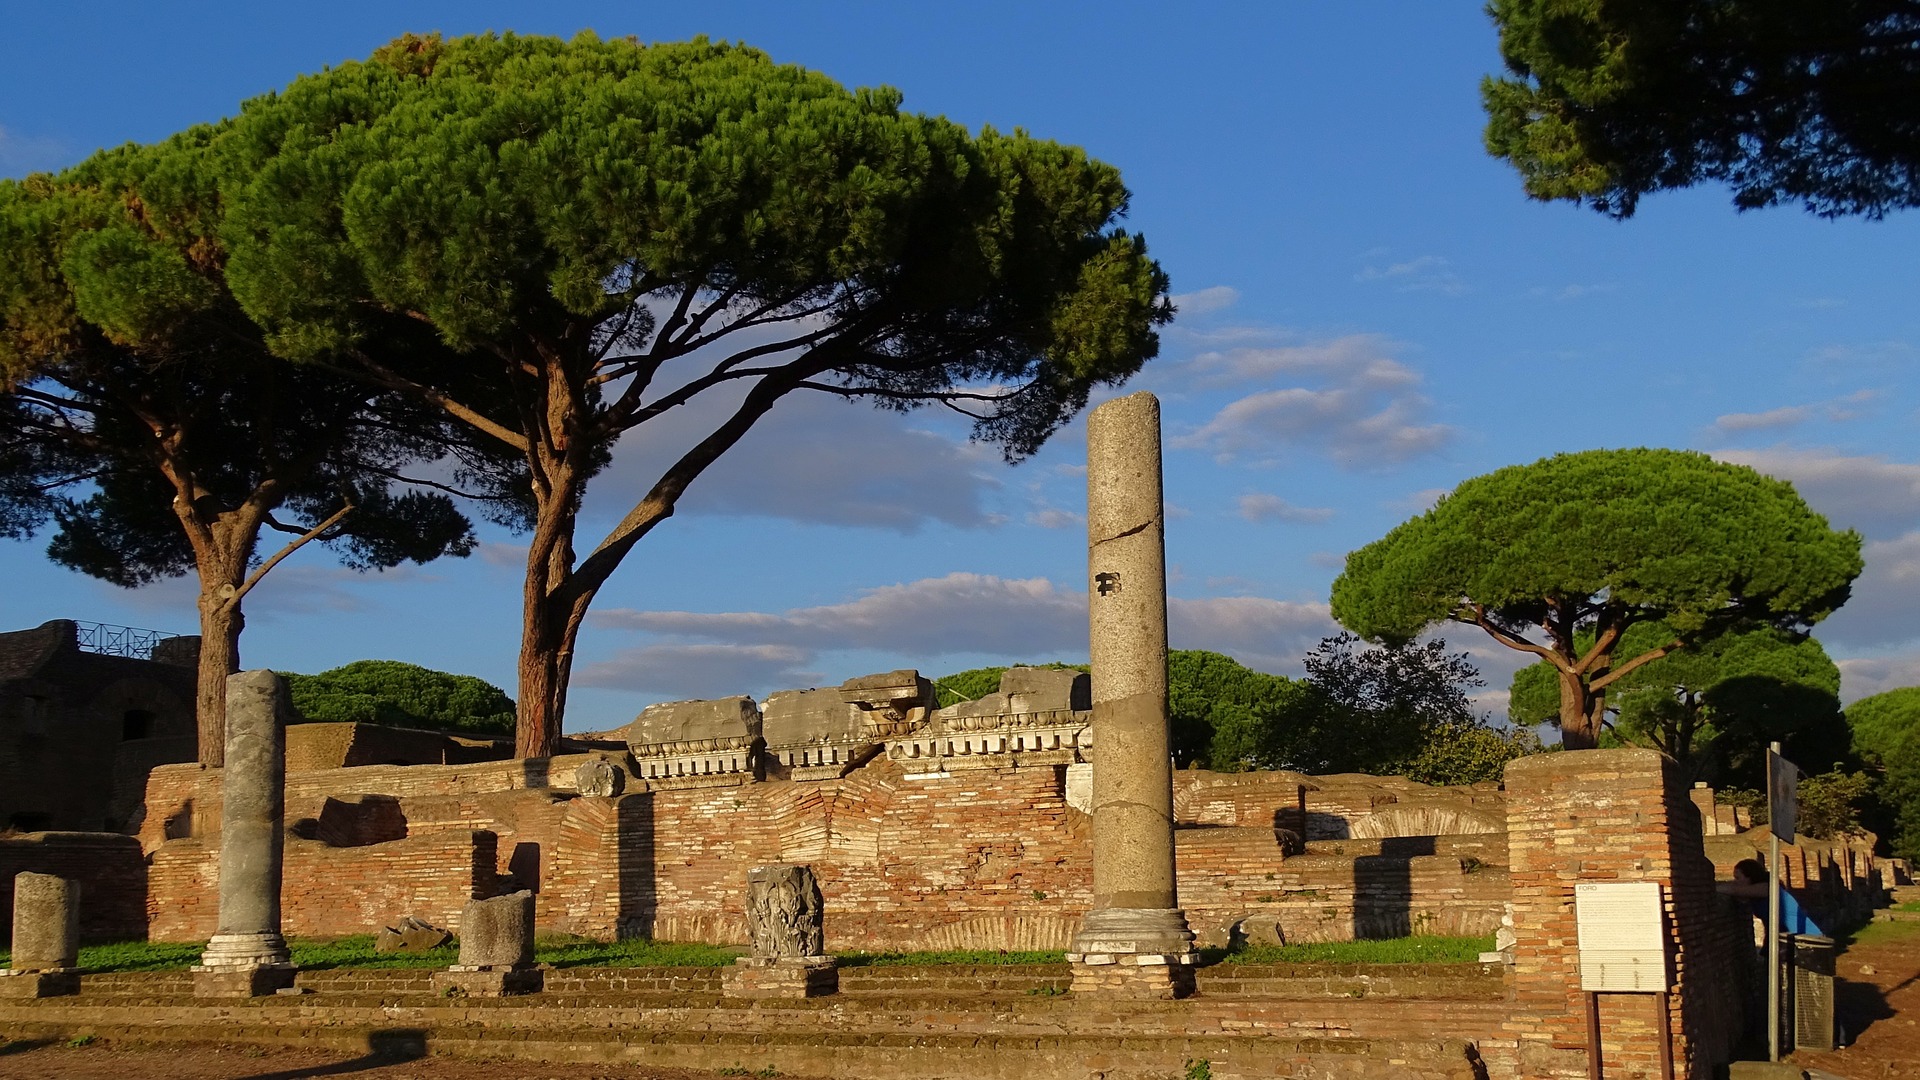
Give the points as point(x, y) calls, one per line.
point(292, 546)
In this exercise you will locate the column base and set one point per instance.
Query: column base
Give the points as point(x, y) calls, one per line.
point(1138, 976)
point(262, 980)
point(1135, 932)
point(61, 982)
point(260, 948)
point(489, 981)
point(781, 977)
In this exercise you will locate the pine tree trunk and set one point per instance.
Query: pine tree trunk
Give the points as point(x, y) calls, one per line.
point(546, 643)
point(220, 624)
point(1579, 713)
point(542, 705)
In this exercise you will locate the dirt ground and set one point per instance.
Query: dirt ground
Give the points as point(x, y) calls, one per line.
point(34, 1061)
point(1879, 1008)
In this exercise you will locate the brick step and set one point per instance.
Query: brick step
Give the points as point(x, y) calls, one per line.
point(1294, 982)
point(840, 1054)
point(141, 983)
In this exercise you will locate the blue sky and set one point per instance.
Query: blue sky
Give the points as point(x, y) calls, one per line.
point(1371, 313)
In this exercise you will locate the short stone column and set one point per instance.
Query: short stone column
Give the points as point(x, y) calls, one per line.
point(46, 938)
point(247, 956)
point(1135, 940)
point(786, 919)
point(496, 950)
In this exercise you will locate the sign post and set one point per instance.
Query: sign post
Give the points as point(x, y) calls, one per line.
point(1623, 949)
point(1783, 806)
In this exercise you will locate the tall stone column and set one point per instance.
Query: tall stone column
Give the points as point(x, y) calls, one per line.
point(1135, 940)
point(247, 955)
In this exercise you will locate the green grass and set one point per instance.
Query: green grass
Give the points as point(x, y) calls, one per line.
point(1407, 950)
point(566, 951)
point(982, 957)
point(1880, 933)
point(1911, 905)
point(357, 952)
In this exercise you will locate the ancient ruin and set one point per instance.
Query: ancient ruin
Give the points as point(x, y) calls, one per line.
point(86, 711)
point(247, 955)
point(1134, 939)
point(46, 938)
point(785, 922)
point(496, 949)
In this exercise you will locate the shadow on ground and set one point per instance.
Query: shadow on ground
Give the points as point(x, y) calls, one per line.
point(396, 1046)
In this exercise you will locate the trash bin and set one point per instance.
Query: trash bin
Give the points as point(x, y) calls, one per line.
point(1810, 971)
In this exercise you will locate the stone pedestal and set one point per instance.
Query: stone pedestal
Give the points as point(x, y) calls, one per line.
point(1135, 939)
point(46, 938)
point(786, 919)
point(781, 977)
point(256, 980)
point(496, 950)
point(247, 956)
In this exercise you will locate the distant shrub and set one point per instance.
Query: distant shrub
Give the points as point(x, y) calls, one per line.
point(397, 694)
point(1830, 804)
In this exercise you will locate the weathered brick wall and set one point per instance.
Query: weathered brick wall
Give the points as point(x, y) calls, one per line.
point(108, 866)
point(987, 858)
point(1615, 815)
point(1840, 883)
point(328, 891)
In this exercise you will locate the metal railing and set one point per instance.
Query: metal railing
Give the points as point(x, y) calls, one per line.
point(109, 640)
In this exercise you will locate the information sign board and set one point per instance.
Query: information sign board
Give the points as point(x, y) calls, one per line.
point(1623, 937)
point(1783, 795)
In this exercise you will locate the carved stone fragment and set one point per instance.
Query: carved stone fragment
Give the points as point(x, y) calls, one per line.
point(785, 912)
point(599, 778)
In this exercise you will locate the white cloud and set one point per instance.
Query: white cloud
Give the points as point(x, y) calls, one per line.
point(932, 617)
point(1359, 405)
point(1869, 675)
point(496, 553)
point(1880, 498)
point(919, 622)
point(1869, 355)
point(813, 459)
point(1784, 417)
point(1355, 428)
point(1206, 301)
point(1260, 506)
point(1419, 502)
point(1052, 517)
point(1427, 273)
point(701, 671)
point(1839, 410)
point(1885, 597)
point(1267, 635)
point(291, 588)
point(1573, 292)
